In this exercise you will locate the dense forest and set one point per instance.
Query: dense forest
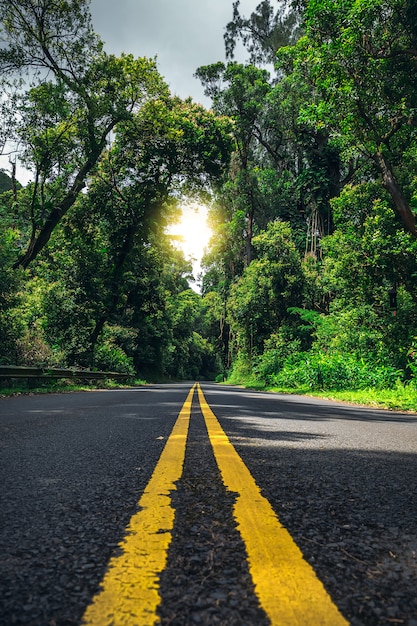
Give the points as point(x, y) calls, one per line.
point(307, 159)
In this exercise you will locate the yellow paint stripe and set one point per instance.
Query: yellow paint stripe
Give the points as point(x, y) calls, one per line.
point(287, 587)
point(130, 588)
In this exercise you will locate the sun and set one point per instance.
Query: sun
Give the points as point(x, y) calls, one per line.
point(192, 231)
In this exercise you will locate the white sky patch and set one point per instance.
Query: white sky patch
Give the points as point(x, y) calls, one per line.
point(183, 34)
point(23, 176)
point(194, 232)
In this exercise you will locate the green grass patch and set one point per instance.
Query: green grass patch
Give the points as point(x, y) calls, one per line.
point(62, 386)
point(400, 398)
point(393, 399)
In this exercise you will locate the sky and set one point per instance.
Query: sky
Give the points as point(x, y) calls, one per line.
point(183, 34)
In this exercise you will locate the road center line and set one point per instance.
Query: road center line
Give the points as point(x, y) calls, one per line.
point(130, 588)
point(287, 587)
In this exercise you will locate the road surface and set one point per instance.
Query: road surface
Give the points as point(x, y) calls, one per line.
point(181, 504)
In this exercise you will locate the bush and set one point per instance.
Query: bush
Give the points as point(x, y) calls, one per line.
point(242, 372)
point(321, 371)
point(111, 358)
point(277, 349)
point(33, 351)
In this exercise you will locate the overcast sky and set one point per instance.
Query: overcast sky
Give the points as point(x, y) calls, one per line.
point(183, 34)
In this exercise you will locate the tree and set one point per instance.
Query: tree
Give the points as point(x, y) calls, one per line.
point(361, 57)
point(240, 91)
point(367, 255)
point(264, 32)
point(169, 148)
point(259, 300)
point(190, 354)
point(11, 327)
point(76, 96)
point(111, 254)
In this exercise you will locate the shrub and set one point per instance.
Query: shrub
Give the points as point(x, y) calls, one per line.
point(321, 371)
point(32, 350)
point(277, 349)
point(243, 372)
point(111, 358)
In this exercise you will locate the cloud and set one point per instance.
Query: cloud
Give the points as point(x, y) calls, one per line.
point(183, 34)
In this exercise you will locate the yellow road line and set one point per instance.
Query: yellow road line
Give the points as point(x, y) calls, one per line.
point(287, 587)
point(130, 588)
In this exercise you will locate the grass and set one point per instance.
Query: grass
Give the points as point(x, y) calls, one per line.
point(392, 399)
point(400, 398)
point(61, 386)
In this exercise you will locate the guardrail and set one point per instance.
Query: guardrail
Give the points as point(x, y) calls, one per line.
point(16, 371)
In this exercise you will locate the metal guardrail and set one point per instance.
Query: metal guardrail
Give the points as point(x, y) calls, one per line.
point(16, 371)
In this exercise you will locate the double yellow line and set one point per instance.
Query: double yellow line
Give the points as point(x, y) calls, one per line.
point(286, 585)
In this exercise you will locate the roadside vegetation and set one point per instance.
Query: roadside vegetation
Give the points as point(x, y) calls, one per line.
point(399, 398)
point(308, 159)
point(33, 386)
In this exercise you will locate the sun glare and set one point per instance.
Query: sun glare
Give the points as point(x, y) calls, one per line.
point(193, 232)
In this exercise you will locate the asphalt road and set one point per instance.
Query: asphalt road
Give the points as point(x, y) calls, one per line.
point(341, 479)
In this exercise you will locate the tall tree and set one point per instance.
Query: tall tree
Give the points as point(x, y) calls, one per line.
point(240, 92)
point(166, 150)
point(361, 57)
point(273, 282)
point(264, 32)
point(75, 96)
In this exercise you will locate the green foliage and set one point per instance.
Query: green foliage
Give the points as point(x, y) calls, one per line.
point(11, 325)
point(259, 300)
point(278, 347)
point(338, 121)
point(110, 357)
point(398, 398)
point(318, 370)
point(191, 355)
point(264, 32)
point(242, 372)
point(32, 350)
point(66, 95)
point(365, 84)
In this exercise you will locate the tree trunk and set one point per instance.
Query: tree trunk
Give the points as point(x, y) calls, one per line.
point(94, 337)
point(249, 236)
point(39, 242)
point(116, 281)
point(390, 183)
